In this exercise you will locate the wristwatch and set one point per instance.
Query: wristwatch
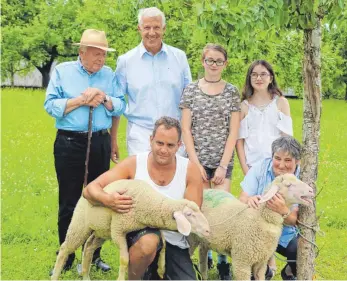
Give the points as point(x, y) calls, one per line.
point(107, 99)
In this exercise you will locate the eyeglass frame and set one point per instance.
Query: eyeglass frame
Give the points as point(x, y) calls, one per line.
point(263, 75)
point(214, 62)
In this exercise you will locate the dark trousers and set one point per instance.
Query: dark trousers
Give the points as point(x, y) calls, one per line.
point(69, 160)
point(290, 253)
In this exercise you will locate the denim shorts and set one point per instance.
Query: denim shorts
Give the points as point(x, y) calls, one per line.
point(134, 236)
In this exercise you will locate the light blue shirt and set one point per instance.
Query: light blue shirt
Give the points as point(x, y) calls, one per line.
point(69, 80)
point(256, 180)
point(154, 84)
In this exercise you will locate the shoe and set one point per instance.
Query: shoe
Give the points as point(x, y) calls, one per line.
point(210, 263)
point(224, 271)
point(100, 264)
point(285, 276)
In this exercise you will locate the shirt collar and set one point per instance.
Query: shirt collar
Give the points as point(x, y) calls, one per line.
point(82, 69)
point(269, 170)
point(143, 50)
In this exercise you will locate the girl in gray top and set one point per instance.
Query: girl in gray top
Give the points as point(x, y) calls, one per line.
point(210, 124)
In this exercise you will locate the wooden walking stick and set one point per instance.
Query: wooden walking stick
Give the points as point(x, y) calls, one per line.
point(88, 145)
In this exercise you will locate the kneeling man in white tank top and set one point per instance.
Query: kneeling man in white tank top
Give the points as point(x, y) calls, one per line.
point(168, 173)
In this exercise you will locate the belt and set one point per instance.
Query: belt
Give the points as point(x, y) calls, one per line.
point(81, 134)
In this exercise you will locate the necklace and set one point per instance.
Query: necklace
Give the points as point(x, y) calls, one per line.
point(212, 81)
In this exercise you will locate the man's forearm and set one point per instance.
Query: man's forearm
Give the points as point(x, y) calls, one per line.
point(96, 196)
point(74, 103)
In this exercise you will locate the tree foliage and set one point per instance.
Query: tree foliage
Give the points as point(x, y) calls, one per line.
point(36, 33)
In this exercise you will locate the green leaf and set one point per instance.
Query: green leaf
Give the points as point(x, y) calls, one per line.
point(341, 4)
point(199, 8)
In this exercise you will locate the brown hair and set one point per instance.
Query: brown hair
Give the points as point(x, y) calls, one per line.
point(272, 88)
point(214, 47)
point(168, 123)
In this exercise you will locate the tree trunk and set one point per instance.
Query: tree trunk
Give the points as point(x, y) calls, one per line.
point(12, 79)
point(311, 131)
point(45, 78)
point(45, 71)
point(46, 67)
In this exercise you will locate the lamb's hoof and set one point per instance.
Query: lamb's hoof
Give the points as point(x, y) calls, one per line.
point(66, 267)
point(161, 274)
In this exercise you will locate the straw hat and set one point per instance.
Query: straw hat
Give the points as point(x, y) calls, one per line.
point(94, 38)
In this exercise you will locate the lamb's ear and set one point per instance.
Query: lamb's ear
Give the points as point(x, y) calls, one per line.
point(183, 225)
point(270, 193)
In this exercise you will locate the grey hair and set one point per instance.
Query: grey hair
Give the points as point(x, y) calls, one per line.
point(168, 123)
point(151, 12)
point(287, 144)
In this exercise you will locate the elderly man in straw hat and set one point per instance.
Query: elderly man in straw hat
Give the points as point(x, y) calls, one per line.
point(75, 87)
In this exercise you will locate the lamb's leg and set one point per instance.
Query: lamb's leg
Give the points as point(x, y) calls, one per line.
point(259, 270)
point(194, 242)
point(71, 244)
point(120, 240)
point(60, 262)
point(161, 262)
point(203, 249)
point(241, 270)
point(90, 246)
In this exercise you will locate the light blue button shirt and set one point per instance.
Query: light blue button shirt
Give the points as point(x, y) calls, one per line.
point(256, 180)
point(154, 84)
point(69, 80)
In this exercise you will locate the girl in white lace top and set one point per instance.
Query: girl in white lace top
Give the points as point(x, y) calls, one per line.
point(265, 115)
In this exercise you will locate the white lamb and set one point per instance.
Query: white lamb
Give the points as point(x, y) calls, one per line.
point(249, 236)
point(150, 209)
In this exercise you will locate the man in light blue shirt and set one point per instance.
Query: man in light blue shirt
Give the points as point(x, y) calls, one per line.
point(153, 75)
point(74, 88)
point(286, 154)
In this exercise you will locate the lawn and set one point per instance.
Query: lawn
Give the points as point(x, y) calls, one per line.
point(29, 189)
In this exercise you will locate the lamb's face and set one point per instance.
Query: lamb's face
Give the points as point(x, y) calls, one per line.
point(295, 191)
point(198, 221)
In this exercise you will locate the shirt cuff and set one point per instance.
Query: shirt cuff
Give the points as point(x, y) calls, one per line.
point(58, 108)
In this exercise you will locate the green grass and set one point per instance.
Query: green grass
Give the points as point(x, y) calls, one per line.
point(29, 194)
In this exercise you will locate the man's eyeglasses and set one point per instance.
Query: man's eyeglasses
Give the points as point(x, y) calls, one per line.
point(262, 75)
point(217, 62)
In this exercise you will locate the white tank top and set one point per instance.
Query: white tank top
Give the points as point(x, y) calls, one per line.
point(175, 190)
